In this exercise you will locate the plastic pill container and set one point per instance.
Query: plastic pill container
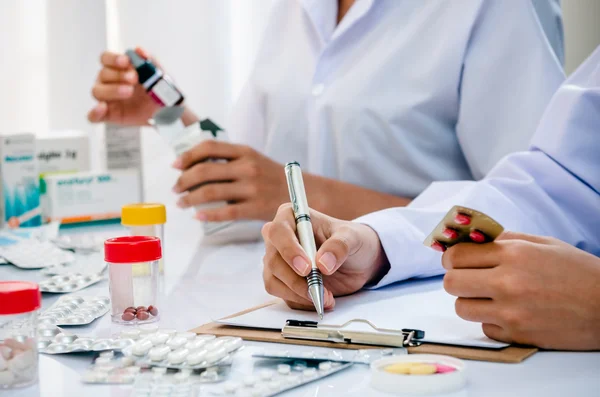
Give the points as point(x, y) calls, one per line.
point(133, 278)
point(147, 219)
point(20, 304)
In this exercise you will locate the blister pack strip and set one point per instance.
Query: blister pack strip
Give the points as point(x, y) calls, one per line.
point(80, 242)
point(69, 282)
point(111, 368)
point(75, 310)
point(362, 356)
point(52, 340)
point(274, 376)
point(33, 254)
point(182, 350)
point(92, 263)
point(159, 383)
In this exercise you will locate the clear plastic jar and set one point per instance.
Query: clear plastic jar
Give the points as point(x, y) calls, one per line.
point(20, 304)
point(147, 219)
point(133, 278)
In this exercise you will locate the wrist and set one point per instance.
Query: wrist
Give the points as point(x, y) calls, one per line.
point(379, 263)
point(188, 117)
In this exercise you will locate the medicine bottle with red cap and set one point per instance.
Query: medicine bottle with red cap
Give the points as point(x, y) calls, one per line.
point(20, 302)
point(133, 269)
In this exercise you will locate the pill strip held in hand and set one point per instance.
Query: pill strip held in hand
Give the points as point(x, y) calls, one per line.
point(460, 225)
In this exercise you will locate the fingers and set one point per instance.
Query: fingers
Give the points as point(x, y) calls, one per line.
point(112, 92)
point(345, 241)
point(281, 233)
point(213, 192)
point(208, 150)
point(469, 255)
point(229, 212)
point(476, 310)
point(208, 171)
point(496, 332)
point(115, 60)
point(508, 235)
point(108, 75)
point(98, 113)
point(469, 283)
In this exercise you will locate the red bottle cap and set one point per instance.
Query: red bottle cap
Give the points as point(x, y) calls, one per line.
point(19, 297)
point(132, 249)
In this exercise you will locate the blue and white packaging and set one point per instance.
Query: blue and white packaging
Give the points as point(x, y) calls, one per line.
point(19, 176)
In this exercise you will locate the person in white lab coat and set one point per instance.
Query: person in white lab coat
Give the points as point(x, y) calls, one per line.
point(375, 99)
point(522, 287)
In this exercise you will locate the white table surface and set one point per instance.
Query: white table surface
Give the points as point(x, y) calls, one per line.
point(208, 282)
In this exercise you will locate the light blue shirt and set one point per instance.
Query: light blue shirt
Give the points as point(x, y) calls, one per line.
point(401, 93)
point(553, 189)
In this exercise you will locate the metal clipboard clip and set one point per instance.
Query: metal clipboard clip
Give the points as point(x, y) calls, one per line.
point(311, 330)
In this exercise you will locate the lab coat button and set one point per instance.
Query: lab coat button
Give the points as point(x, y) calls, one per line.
point(318, 89)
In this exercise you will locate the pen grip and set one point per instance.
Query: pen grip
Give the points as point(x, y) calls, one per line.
point(307, 240)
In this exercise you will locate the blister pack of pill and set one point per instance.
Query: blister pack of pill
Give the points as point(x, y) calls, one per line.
point(160, 383)
point(82, 264)
point(33, 254)
point(70, 282)
point(75, 310)
point(111, 368)
point(182, 350)
point(274, 376)
point(63, 343)
point(80, 242)
point(362, 356)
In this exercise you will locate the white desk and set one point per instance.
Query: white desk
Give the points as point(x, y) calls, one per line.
point(204, 283)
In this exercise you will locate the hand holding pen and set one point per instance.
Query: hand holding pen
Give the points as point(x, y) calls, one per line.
point(349, 256)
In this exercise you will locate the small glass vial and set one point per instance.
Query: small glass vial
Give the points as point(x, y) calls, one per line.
point(147, 219)
point(133, 278)
point(20, 302)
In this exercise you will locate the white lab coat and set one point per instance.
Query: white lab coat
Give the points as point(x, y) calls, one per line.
point(552, 190)
point(401, 93)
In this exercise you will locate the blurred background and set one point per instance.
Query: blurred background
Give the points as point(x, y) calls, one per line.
point(51, 48)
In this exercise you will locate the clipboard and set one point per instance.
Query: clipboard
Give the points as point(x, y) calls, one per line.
point(510, 354)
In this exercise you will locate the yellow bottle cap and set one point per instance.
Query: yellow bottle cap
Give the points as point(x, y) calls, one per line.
point(143, 214)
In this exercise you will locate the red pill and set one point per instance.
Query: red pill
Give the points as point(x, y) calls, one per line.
point(141, 308)
point(462, 219)
point(436, 245)
point(130, 310)
point(477, 237)
point(128, 316)
point(444, 369)
point(142, 315)
point(450, 233)
point(153, 310)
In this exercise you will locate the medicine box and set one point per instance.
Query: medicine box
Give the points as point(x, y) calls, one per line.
point(90, 196)
point(63, 151)
point(19, 187)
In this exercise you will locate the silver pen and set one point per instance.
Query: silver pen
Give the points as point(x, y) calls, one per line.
point(304, 229)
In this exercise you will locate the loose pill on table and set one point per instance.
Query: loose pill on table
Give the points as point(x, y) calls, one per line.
point(444, 369)
point(177, 356)
point(152, 310)
point(142, 315)
point(127, 316)
point(158, 353)
point(423, 369)
point(462, 219)
point(477, 237)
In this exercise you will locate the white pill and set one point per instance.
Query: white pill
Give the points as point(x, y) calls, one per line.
point(325, 366)
point(141, 347)
point(168, 331)
point(196, 344)
point(274, 385)
point(265, 374)
point(107, 354)
point(130, 334)
point(178, 356)
point(158, 338)
point(309, 372)
point(250, 380)
point(215, 355)
point(205, 337)
point(158, 353)
point(159, 370)
point(102, 360)
point(127, 361)
point(181, 377)
point(234, 344)
point(230, 387)
point(215, 344)
point(284, 369)
point(6, 378)
point(176, 342)
point(197, 357)
point(187, 335)
point(148, 328)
